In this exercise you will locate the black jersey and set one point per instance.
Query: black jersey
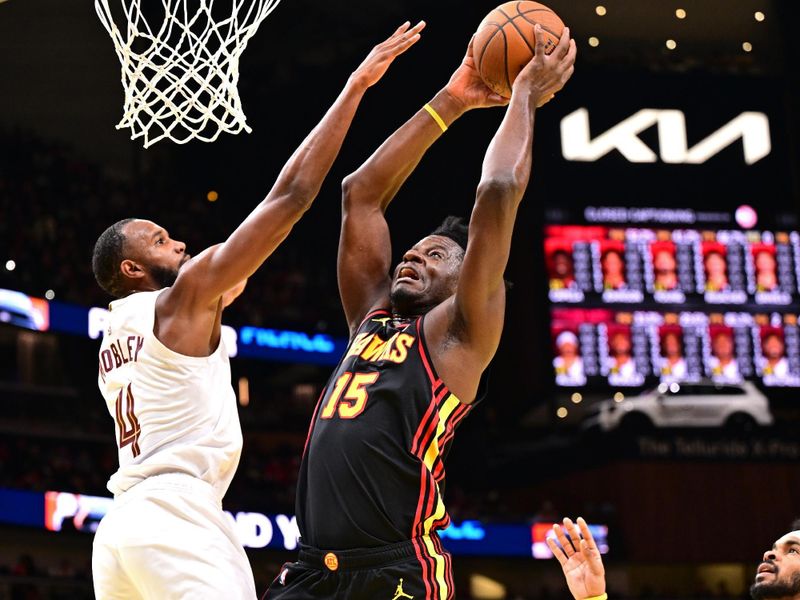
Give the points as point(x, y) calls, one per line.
point(373, 471)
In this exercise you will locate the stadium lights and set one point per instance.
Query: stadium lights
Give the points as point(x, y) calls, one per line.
point(49, 294)
point(576, 398)
point(671, 44)
point(594, 42)
point(10, 265)
point(212, 196)
point(759, 16)
point(562, 412)
point(680, 13)
point(619, 397)
point(600, 10)
point(747, 46)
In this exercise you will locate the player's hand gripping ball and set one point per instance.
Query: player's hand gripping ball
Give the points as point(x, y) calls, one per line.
point(505, 42)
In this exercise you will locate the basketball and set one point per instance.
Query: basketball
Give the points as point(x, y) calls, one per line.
point(505, 42)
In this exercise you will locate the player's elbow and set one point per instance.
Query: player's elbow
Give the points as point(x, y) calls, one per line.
point(351, 190)
point(505, 189)
point(297, 197)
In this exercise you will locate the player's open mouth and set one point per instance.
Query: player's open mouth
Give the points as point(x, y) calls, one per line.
point(765, 568)
point(407, 273)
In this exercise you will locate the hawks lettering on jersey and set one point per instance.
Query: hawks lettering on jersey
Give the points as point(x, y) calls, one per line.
point(369, 346)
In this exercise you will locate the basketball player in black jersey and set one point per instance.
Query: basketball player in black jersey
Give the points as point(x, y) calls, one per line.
point(369, 499)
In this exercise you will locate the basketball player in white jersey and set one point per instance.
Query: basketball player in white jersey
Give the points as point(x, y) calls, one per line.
point(165, 376)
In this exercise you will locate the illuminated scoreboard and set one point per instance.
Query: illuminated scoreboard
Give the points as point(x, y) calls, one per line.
point(644, 295)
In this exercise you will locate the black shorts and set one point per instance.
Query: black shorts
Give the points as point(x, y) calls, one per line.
point(418, 569)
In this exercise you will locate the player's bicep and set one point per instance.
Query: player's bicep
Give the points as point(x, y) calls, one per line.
point(364, 261)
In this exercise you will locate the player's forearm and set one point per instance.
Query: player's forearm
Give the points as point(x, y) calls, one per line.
point(377, 181)
point(509, 156)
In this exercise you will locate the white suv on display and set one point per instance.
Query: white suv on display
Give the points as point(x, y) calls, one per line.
point(738, 406)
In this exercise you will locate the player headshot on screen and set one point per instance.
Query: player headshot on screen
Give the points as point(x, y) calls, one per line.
point(621, 364)
point(665, 270)
point(562, 271)
point(716, 269)
point(673, 365)
point(777, 577)
point(773, 349)
point(166, 378)
point(613, 266)
point(722, 362)
point(568, 364)
point(370, 489)
point(766, 275)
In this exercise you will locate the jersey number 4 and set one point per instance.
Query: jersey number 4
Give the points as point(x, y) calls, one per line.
point(125, 417)
point(354, 400)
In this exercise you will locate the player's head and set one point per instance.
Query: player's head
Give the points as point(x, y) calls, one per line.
point(664, 262)
point(562, 264)
point(765, 261)
point(612, 262)
point(567, 344)
point(772, 346)
point(428, 273)
point(620, 344)
point(722, 345)
point(778, 575)
point(134, 255)
point(715, 263)
point(671, 345)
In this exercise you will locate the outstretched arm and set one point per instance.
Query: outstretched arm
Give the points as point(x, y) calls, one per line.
point(364, 248)
point(478, 307)
point(580, 560)
point(205, 278)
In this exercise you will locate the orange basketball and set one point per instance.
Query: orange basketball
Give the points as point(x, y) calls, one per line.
point(504, 42)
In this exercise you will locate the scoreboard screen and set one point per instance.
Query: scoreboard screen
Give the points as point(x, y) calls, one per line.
point(669, 298)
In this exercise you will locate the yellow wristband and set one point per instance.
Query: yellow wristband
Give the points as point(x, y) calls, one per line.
point(436, 117)
point(600, 597)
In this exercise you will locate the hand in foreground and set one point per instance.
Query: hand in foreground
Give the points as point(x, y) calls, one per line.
point(467, 87)
point(580, 559)
point(377, 62)
point(546, 74)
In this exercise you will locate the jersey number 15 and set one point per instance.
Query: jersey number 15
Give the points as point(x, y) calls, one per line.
point(354, 400)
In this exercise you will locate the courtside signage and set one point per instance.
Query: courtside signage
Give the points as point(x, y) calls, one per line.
point(577, 143)
point(279, 345)
point(65, 511)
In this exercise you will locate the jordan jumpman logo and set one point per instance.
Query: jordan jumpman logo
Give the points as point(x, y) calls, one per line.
point(399, 593)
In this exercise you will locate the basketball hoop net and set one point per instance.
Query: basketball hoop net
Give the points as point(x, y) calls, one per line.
point(180, 75)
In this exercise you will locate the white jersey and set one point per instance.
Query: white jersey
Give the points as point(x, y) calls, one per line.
point(174, 413)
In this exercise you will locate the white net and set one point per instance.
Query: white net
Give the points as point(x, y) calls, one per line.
point(180, 70)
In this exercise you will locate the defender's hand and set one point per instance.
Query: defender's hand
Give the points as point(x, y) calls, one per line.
point(467, 87)
point(546, 74)
point(377, 62)
point(580, 559)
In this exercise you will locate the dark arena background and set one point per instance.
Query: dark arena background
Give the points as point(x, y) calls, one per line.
point(678, 132)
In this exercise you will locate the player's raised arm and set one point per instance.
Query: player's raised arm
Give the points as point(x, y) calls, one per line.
point(580, 560)
point(364, 248)
point(222, 267)
point(478, 306)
